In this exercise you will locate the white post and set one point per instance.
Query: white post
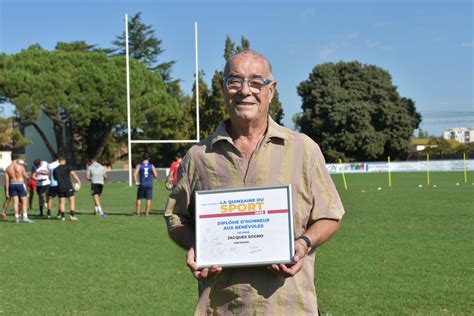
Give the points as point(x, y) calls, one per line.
point(197, 78)
point(128, 104)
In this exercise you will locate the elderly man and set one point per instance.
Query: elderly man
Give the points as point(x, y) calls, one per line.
point(250, 150)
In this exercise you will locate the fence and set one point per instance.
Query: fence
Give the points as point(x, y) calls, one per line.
point(112, 176)
point(353, 167)
point(402, 166)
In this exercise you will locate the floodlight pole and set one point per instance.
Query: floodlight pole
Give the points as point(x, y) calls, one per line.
point(128, 104)
point(197, 78)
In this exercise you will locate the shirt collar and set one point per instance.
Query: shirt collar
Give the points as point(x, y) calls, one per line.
point(274, 131)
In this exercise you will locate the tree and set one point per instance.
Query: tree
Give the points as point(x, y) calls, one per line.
point(244, 45)
point(35, 84)
point(83, 93)
point(144, 46)
point(450, 147)
point(276, 109)
point(229, 48)
point(355, 113)
point(10, 135)
point(79, 46)
point(214, 110)
point(422, 133)
point(203, 100)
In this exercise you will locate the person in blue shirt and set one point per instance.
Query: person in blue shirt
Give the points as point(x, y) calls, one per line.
point(143, 176)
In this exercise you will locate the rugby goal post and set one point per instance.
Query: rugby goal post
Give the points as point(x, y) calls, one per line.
point(166, 141)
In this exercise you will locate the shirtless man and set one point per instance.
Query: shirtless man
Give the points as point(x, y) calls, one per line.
point(14, 181)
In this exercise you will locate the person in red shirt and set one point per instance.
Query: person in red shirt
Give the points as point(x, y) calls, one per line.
point(31, 186)
point(174, 170)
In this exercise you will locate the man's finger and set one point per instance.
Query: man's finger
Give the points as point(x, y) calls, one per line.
point(204, 273)
point(215, 269)
point(300, 252)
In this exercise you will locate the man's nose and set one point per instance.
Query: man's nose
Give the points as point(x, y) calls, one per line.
point(245, 88)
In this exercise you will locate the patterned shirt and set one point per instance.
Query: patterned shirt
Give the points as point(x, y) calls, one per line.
point(282, 157)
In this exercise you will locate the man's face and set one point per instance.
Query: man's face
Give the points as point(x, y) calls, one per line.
point(247, 104)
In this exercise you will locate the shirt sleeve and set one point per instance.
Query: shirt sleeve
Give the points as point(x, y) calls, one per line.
point(326, 201)
point(179, 207)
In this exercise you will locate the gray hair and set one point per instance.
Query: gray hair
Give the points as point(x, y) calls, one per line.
point(251, 52)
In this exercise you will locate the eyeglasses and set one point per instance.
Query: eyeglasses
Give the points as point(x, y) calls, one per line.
point(234, 84)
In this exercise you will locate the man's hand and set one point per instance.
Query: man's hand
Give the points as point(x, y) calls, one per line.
point(210, 273)
point(290, 270)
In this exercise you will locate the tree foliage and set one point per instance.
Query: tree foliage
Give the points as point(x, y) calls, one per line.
point(214, 110)
point(355, 113)
point(10, 135)
point(79, 46)
point(144, 46)
point(422, 134)
point(83, 93)
point(441, 146)
point(276, 109)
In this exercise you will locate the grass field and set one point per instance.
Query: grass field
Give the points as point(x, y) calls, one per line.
point(403, 250)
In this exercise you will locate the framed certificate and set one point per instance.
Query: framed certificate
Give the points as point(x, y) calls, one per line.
point(244, 227)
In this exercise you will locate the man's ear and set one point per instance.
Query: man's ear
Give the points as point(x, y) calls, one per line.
point(272, 89)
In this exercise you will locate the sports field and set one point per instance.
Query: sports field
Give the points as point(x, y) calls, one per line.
point(403, 250)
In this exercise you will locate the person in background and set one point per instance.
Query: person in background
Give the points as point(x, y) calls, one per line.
point(173, 174)
point(54, 186)
point(96, 174)
point(41, 175)
point(63, 174)
point(15, 176)
point(249, 150)
point(143, 176)
point(31, 187)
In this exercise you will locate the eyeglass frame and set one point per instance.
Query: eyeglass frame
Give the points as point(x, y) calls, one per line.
point(266, 82)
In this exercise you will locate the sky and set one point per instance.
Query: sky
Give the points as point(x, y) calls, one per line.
point(426, 46)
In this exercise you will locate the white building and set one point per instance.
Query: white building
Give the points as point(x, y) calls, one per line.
point(461, 134)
